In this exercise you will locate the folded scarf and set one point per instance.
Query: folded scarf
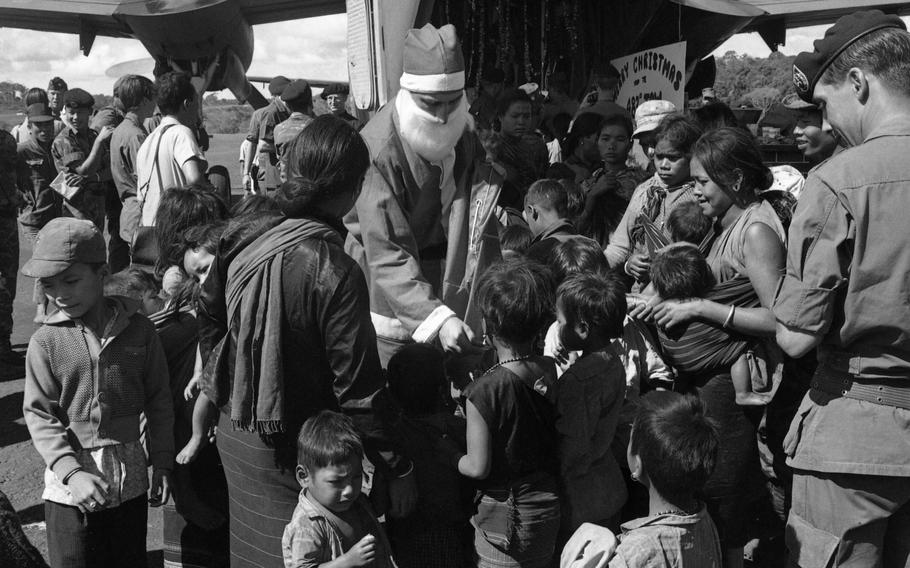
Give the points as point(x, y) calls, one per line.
point(248, 360)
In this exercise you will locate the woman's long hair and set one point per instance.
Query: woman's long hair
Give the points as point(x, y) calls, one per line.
point(733, 160)
point(328, 158)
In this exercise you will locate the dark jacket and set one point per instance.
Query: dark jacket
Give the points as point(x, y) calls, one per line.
point(330, 359)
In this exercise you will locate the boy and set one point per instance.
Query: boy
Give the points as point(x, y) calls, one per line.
point(299, 99)
point(333, 525)
point(82, 154)
point(546, 212)
point(591, 309)
point(91, 371)
point(609, 189)
point(680, 271)
point(431, 535)
point(137, 94)
point(672, 453)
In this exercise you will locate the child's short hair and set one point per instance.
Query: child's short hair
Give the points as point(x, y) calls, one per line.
point(173, 90)
point(680, 131)
point(597, 299)
point(516, 238)
point(559, 171)
point(516, 299)
point(550, 195)
point(688, 223)
point(618, 120)
point(676, 442)
point(577, 256)
point(680, 271)
point(133, 89)
point(131, 283)
point(329, 438)
point(416, 375)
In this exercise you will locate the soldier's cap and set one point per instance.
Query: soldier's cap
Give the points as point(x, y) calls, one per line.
point(810, 66)
point(278, 84)
point(77, 98)
point(63, 242)
point(648, 115)
point(298, 91)
point(335, 89)
point(39, 112)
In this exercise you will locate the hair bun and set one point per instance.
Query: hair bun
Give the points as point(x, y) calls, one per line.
point(768, 179)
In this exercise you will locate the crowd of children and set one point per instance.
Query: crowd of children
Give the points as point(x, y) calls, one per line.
point(566, 441)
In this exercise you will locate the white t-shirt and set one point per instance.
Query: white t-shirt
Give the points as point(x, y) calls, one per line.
point(178, 145)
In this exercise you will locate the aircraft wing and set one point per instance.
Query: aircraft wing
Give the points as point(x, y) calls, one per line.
point(268, 11)
point(797, 13)
point(83, 17)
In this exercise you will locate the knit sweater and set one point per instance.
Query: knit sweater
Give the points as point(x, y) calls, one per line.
point(80, 392)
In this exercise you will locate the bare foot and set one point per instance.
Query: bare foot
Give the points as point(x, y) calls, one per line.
point(200, 514)
point(752, 399)
point(190, 450)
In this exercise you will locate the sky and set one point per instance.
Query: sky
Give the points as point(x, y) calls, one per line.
point(310, 48)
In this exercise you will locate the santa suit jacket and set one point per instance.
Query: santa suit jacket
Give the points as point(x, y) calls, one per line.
point(418, 267)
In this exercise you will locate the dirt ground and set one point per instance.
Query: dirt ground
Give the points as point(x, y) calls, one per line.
point(21, 468)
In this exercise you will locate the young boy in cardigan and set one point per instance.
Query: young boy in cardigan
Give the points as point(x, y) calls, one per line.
point(91, 370)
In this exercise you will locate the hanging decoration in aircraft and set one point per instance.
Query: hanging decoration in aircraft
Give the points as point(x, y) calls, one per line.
point(652, 74)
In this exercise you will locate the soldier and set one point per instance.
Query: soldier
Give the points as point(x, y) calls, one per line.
point(845, 292)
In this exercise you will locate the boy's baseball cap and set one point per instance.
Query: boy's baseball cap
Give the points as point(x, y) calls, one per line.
point(78, 98)
point(63, 242)
point(39, 112)
point(649, 113)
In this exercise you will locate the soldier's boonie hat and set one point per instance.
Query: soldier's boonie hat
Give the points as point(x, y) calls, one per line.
point(433, 61)
point(298, 92)
point(810, 66)
point(63, 242)
point(39, 112)
point(77, 98)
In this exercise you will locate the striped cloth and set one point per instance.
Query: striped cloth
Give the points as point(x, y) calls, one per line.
point(701, 346)
point(262, 497)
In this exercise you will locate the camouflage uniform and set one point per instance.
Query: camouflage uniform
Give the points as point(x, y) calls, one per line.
point(9, 241)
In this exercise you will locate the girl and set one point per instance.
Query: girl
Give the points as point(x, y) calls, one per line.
point(653, 200)
point(511, 435)
point(729, 173)
point(516, 148)
point(608, 190)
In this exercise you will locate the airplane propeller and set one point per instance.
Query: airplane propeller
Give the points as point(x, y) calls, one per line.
point(142, 66)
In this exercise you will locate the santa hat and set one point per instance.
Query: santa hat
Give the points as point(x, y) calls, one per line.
point(433, 62)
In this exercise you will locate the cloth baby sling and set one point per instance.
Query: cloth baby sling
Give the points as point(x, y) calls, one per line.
point(700, 346)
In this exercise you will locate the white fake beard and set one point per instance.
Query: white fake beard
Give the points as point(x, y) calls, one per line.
point(428, 136)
